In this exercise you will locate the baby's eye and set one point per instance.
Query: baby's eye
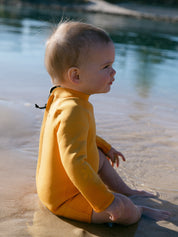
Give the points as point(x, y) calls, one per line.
point(106, 66)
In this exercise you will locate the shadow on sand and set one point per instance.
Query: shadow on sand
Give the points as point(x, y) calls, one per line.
point(47, 224)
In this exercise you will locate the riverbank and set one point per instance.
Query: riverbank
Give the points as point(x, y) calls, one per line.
point(128, 9)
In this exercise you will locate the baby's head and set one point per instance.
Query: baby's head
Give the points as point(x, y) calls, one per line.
point(69, 46)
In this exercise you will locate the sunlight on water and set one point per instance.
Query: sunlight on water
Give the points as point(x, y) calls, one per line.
point(139, 115)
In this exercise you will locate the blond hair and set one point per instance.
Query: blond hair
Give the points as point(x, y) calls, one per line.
point(68, 46)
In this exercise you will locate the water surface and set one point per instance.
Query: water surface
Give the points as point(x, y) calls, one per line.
point(140, 114)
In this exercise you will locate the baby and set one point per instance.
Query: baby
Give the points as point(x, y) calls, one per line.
point(75, 178)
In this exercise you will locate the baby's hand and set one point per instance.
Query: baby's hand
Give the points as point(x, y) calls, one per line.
point(114, 155)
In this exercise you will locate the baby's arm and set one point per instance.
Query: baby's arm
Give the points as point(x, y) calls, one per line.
point(102, 144)
point(81, 170)
point(109, 151)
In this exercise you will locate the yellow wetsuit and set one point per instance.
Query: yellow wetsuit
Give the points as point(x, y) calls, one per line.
point(66, 177)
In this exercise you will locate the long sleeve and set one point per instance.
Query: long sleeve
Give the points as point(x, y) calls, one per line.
point(103, 145)
point(73, 139)
point(68, 159)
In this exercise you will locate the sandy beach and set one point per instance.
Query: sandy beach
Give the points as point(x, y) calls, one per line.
point(146, 133)
point(23, 215)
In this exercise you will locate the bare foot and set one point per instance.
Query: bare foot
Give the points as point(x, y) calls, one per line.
point(155, 214)
point(142, 193)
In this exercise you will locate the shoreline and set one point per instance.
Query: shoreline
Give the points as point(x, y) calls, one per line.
point(129, 9)
point(22, 211)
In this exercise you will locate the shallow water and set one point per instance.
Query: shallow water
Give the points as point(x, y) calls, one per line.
point(140, 114)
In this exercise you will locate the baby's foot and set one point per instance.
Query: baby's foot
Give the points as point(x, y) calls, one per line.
point(142, 193)
point(156, 214)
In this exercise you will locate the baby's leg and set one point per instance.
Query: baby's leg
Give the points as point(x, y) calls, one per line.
point(155, 214)
point(113, 181)
point(123, 211)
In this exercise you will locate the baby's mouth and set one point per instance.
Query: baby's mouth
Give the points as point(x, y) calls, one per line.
point(111, 81)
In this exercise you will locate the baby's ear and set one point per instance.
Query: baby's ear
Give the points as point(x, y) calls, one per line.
point(73, 74)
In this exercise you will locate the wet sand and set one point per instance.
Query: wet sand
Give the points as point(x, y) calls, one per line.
point(147, 167)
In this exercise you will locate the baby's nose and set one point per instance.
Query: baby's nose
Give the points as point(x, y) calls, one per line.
point(113, 72)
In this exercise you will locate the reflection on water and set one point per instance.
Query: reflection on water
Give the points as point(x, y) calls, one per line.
point(146, 61)
point(146, 51)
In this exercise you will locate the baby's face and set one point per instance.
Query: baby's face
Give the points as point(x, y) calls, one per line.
point(96, 72)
